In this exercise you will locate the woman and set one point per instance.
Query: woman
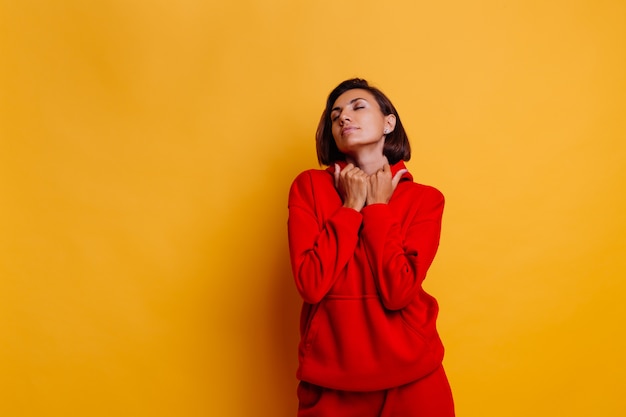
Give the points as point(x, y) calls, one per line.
point(362, 235)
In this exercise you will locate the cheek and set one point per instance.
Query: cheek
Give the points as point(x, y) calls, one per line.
point(336, 131)
point(337, 139)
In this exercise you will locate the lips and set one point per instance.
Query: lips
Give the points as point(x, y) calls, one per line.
point(347, 130)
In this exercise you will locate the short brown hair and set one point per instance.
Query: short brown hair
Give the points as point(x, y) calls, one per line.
point(397, 145)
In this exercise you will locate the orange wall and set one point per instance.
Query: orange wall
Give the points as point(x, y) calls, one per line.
point(146, 150)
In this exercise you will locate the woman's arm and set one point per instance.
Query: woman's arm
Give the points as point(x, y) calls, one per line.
point(318, 252)
point(400, 262)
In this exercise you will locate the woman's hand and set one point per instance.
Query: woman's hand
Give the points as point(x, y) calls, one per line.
point(380, 185)
point(351, 183)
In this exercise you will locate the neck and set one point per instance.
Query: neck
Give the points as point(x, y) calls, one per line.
point(368, 163)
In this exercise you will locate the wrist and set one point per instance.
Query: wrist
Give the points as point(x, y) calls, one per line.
point(354, 205)
point(377, 201)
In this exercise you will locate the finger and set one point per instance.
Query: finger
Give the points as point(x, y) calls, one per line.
point(337, 172)
point(353, 172)
point(396, 178)
point(385, 171)
point(355, 176)
point(347, 170)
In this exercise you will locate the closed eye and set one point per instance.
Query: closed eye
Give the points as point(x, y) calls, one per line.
point(359, 103)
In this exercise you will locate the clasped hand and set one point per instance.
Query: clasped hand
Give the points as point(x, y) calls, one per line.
point(357, 189)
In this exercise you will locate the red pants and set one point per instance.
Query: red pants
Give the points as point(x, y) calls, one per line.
point(427, 397)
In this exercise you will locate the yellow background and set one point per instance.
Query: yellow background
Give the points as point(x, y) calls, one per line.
point(147, 147)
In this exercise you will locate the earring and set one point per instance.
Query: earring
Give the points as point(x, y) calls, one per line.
point(386, 131)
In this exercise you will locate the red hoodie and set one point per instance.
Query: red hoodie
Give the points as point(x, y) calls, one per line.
point(366, 323)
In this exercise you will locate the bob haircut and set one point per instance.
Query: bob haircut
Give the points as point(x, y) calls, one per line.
point(397, 145)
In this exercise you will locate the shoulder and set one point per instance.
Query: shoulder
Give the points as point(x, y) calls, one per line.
point(421, 198)
point(310, 182)
point(424, 191)
point(311, 176)
point(431, 192)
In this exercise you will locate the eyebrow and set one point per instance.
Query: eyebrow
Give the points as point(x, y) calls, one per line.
point(351, 101)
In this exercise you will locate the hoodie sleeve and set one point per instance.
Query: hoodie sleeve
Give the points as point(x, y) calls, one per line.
point(319, 250)
point(400, 262)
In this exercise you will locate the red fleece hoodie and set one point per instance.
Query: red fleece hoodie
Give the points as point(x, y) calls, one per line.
point(366, 323)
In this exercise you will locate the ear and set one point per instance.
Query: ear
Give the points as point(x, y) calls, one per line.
point(390, 123)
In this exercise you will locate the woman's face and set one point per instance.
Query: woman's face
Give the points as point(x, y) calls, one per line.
point(358, 122)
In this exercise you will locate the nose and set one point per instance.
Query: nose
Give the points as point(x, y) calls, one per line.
point(343, 118)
